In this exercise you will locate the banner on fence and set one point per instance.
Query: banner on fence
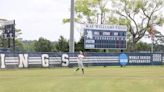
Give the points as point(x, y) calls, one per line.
point(22, 60)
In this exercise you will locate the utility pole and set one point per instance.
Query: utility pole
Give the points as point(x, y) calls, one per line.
point(71, 40)
point(14, 36)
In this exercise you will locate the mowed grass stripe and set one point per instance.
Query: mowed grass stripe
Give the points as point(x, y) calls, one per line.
point(95, 79)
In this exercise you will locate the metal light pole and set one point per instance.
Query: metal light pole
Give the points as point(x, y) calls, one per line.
point(71, 40)
point(152, 45)
point(14, 37)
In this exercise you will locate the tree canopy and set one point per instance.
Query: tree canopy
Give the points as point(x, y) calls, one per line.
point(140, 16)
point(43, 45)
point(62, 45)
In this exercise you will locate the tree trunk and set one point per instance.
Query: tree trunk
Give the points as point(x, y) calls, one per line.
point(133, 45)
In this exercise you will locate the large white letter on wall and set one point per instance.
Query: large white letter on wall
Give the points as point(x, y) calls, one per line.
point(2, 61)
point(65, 61)
point(23, 60)
point(45, 60)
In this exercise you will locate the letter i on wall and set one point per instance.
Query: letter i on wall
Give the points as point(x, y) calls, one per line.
point(2, 58)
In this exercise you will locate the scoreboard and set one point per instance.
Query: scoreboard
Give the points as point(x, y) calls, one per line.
point(9, 29)
point(105, 36)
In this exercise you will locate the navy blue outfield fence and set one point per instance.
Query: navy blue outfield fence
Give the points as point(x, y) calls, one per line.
point(59, 59)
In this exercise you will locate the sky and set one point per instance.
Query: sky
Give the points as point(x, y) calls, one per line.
point(38, 18)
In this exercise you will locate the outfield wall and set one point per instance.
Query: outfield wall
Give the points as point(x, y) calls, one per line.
point(56, 59)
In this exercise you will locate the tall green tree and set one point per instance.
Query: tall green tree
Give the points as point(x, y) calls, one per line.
point(142, 46)
point(19, 46)
point(158, 38)
point(159, 48)
point(62, 45)
point(138, 15)
point(28, 46)
point(43, 45)
point(79, 46)
point(90, 11)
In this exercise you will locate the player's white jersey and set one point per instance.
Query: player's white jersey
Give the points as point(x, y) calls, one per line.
point(80, 63)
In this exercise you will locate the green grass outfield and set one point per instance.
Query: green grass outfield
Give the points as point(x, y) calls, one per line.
point(95, 79)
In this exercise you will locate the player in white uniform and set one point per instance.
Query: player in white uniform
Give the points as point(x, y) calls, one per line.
point(80, 63)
